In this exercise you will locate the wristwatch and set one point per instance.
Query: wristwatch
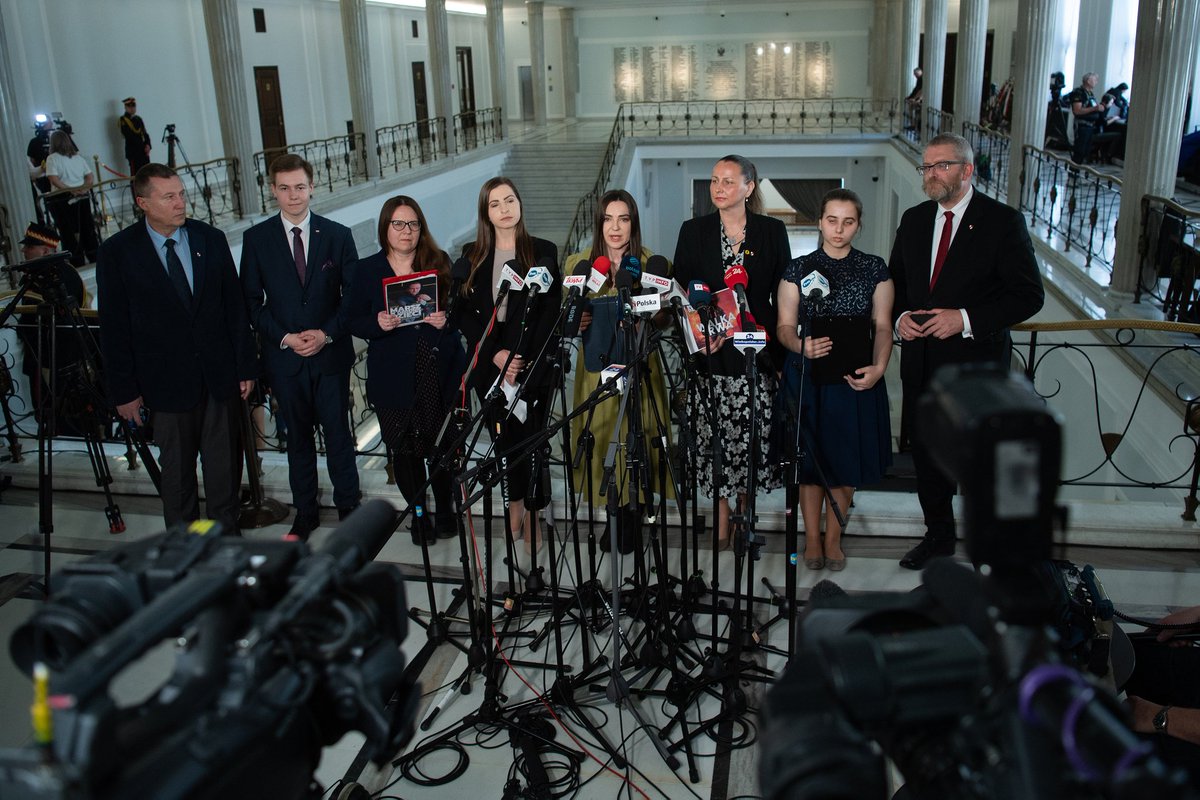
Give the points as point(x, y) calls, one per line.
point(328, 339)
point(1160, 720)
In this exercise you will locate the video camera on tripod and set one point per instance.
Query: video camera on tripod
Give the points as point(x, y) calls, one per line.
point(965, 684)
point(279, 652)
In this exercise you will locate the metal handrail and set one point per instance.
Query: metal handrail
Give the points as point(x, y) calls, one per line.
point(411, 143)
point(335, 160)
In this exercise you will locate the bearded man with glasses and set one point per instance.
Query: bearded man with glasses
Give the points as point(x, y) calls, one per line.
point(965, 273)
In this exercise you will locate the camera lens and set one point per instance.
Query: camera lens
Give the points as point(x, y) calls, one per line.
point(85, 609)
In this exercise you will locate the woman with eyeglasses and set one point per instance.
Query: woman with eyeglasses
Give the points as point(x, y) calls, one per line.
point(848, 423)
point(413, 370)
point(522, 327)
point(737, 239)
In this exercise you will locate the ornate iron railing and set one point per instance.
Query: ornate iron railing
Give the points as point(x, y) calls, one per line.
point(938, 121)
point(477, 128)
point(338, 160)
point(1061, 360)
point(581, 223)
point(740, 117)
point(411, 143)
point(991, 158)
point(912, 121)
point(1078, 205)
point(1169, 257)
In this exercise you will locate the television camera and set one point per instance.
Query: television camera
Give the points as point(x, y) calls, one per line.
point(965, 684)
point(279, 651)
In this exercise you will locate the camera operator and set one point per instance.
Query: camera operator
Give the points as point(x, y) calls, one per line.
point(1163, 693)
point(37, 151)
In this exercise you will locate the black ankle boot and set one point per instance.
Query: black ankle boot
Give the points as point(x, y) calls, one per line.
point(445, 524)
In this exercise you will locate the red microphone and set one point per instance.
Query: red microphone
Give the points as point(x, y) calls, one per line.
point(600, 268)
point(736, 279)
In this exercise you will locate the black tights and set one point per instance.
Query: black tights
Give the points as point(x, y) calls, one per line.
point(410, 476)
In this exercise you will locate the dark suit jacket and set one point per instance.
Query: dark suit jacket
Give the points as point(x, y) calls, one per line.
point(279, 305)
point(990, 271)
point(153, 344)
point(475, 310)
point(766, 254)
point(392, 355)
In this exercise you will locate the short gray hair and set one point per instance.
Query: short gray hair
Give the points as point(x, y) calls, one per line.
point(962, 148)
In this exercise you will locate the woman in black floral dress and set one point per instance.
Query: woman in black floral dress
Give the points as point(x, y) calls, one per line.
point(738, 234)
point(848, 423)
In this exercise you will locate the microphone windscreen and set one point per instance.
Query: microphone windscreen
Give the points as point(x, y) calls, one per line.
point(623, 280)
point(633, 265)
point(958, 590)
point(824, 590)
point(657, 265)
point(736, 276)
point(582, 268)
point(698, 294)
point(602, 265)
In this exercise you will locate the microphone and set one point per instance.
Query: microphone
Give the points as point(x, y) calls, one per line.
point(539, 280)
point(814, 285)
point(699, 294)
point(576, 289)
point(600, 268)
point(510, 280)
point(624, 284)
point(633, 265)
point(459, 272)
point(824, 590)
point(736, 279)
point(655, 275)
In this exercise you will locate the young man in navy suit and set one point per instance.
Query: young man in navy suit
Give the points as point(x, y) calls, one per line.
point(176, 345)
point(296, 269)
point(965, 273)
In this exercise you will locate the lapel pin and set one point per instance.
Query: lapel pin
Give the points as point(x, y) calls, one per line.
point(970, 227)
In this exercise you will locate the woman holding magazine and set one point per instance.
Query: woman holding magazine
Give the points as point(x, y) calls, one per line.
point(414, 360)
point(616, 233)
point(736, 240)
point(508, 339)
point(845, 417)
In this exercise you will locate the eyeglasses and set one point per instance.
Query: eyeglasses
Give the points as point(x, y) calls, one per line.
point(941, 166)
point(400, 224)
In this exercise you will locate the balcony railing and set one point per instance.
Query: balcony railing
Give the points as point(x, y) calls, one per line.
point(1076, 205)
point(991, 158)
point(336, 161)
point(411, 143)
point(740, 117)
point(937, 122)
point(477, 128)
point(1169, 251)
point(581, 223)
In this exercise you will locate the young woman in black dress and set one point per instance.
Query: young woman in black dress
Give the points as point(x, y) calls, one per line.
point(848, 423)
point(523, 324)
point(413, 372)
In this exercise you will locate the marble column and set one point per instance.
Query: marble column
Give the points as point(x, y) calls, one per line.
point(440, 70)
point(15, 192)
point(877, 65)
point(1093, 44)
point(972, 42)
point(536, 10)
point(910, 45)
point(1037, 25)
point(229, 81)
point(936, 22)
point(1167, 36)
point(570, 63)
point(358, 71)
point(895, 11)
point(496, 64)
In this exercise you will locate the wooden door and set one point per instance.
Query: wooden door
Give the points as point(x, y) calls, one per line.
point(270, 108)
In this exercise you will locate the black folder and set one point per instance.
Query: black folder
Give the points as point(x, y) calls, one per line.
point(602, 342)
point(853, 347)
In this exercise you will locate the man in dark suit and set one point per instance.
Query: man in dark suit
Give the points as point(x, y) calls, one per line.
point(965, 273)
point(176, 342)
point(296, 268)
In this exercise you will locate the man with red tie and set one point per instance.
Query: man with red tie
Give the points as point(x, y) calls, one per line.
point(296, 269)
point(965, 273)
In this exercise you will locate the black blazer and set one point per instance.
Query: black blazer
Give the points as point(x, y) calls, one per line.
point(391, 355)
point(990, 271)
point(155, 346)
point(269, 269)
point(475, 311)
point(766, 254)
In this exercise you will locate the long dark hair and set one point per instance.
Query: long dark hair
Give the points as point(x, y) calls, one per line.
point(754, 202)
point(428, 255)
point(635, 224)
point(485, 233)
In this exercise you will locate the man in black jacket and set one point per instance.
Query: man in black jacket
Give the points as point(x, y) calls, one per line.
point(133, 131)
point(176, 344)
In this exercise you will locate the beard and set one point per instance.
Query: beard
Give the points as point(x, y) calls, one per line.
point(939, 190)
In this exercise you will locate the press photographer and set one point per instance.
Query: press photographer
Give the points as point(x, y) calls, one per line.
point(279, 652)
point(966, 684)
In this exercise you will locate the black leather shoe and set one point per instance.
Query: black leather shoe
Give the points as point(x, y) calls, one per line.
point(445, 525)
point(422, 531)
point(926, 550)
point(345, 512)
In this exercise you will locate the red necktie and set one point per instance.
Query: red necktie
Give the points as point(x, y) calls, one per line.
point(298, 253)
point(943, 248)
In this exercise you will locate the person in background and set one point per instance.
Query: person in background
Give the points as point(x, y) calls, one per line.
point(137, 140)
point(70, 202)
point(1088, 114)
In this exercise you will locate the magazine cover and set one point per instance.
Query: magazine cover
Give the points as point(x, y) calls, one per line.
point(723, 315)
point(412, 298)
